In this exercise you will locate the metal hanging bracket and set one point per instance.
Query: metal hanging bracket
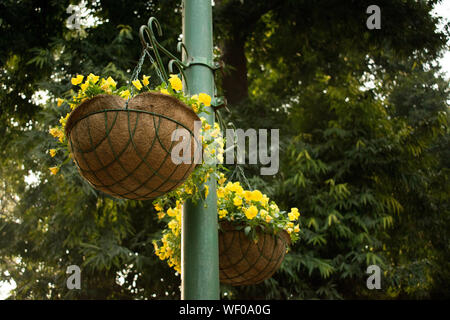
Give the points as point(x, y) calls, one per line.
point(218, 103)
point(147, 35)
point(204, 62)
point(151, 44)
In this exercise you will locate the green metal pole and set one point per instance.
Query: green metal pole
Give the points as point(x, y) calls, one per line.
point(200, 249)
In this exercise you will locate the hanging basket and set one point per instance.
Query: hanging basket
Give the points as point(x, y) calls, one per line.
point(126, 152)
point(244, 262)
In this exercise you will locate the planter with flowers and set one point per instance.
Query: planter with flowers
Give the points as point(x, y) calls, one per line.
point(254, 234)
point(121, 144)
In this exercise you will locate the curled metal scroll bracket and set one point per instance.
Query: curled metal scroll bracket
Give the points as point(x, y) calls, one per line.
point(150, 44)
point(147, 35)
point(152, 48)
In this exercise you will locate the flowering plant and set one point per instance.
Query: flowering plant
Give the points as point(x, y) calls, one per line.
point(251, 211)
point(94, 85)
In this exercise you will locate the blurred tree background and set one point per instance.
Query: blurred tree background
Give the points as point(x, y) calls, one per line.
point(364, 151)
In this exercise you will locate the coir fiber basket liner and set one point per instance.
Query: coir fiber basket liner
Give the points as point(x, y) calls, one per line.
point(126, 152)
point(244, 262)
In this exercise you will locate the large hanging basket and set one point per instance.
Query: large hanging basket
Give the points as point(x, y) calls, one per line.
point(126, 152)
point(244, 262)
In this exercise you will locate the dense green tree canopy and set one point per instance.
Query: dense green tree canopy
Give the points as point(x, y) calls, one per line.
point(363, 118)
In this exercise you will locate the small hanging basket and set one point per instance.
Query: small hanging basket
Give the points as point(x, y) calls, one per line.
point(126, 152)
point(244, 262)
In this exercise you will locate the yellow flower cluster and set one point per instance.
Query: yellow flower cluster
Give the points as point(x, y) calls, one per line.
point(77, 80)
point(253, 205)
point(57, 133)
point(213, 142)
point(175, 82)
point(166, 251)
point(137, 83)
point(169, 247)
point(234, 203)
point(92, 86)
point(200, 99)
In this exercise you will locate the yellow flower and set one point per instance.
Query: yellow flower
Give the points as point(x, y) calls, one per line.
point(54, 132)
point(107, 84)
point(171, 212)
point(110, 82)
point(137, 84)
point(297, 228)
point(188, 190)
point(222, 179)
point(268, 218)
point(247, 195)
point(164, 91)
point(274, 207)
point(54, 170)
point(158, 207)
point(92, 78)
point(84, 86)
point(206, 126)
point(173, 225)
point(233, 186)
point(264, 200)
point(178, 204)
point(205, 99)
point(196, 104)
point(63, 120)
point(161, 214)
point(206, 191)
point(175, 82)
point(251, 212)
point(125, 94)
point(145, 81)
point(57, 133)
point(256, 195)
point(52, 152)
point(263, 213)
point(237, 201)
point(294, 214)
point(60, 102)
point(77, 80)
point(223, 213)
point(220, 192)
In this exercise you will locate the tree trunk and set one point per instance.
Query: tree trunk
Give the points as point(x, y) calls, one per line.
point(235, 83)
